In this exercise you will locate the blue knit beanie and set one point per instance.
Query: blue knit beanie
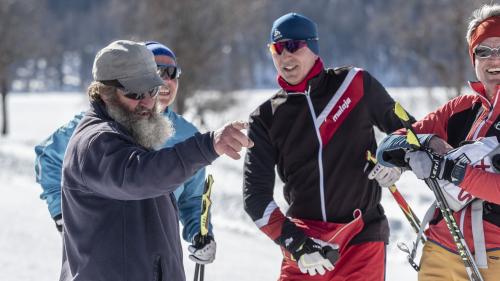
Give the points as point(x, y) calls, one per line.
point(159, 49)
point(297, 27)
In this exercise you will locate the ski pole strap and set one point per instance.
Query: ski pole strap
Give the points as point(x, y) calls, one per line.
point(462, 218)
point(402, 246)
point(411, 255)
point(429, 214)
point(478, 233)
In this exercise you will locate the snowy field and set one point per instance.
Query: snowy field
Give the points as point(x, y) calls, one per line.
point(30, 246)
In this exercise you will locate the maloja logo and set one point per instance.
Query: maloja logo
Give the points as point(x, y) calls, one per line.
point(345, 104)
point(497, 126)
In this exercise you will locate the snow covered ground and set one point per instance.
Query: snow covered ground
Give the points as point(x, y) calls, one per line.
point(30, 247)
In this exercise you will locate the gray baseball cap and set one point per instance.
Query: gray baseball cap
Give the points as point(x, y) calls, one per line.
point(129, 62)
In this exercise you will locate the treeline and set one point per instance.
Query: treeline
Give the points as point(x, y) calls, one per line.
point(221, 45)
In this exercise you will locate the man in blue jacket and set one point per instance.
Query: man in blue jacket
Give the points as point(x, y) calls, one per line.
point(119, 211)
point(50, 153)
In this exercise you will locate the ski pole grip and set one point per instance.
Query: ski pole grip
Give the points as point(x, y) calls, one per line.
point(411, 136)
point(331, 254)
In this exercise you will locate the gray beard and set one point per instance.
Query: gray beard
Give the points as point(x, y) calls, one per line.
point(151, 132)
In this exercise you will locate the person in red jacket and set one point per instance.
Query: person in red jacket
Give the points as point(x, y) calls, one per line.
point(468, 118)
point(315, 131)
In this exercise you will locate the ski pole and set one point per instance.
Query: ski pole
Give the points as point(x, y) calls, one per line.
point(403, 204)
point(204, 219)
point(442, 204)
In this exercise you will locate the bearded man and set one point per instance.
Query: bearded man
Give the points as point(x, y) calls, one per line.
point(118, 207)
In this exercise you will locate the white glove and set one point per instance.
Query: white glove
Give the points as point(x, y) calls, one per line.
point(420, 163)
point(385, 176)
point(313, 260)
point(203, 249)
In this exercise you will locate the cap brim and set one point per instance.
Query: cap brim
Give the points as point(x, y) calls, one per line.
point(142, 84)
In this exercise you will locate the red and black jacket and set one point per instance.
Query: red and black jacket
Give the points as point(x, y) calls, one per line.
point(317, 141)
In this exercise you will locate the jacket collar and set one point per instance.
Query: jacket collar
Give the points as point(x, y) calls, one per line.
point(98, 108)
point(480, 90)
point(303, 85)
point(478, 87)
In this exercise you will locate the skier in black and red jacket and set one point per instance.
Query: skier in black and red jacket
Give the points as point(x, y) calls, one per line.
point(316, 131)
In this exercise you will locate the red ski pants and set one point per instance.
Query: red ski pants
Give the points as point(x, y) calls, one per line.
point(360, 262)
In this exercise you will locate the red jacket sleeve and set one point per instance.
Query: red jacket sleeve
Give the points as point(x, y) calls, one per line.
point(482, 184)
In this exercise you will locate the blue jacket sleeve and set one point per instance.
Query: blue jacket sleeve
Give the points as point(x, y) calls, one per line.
point(189, 194)
point(48, 164)
point(392, 149)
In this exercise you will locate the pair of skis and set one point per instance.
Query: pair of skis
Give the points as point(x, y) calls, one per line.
point(199, 271)
point(442, 204)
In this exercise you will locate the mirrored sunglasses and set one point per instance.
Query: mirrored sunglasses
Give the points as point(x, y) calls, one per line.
point(290, 45)
point(486, 52)
point(169, 71)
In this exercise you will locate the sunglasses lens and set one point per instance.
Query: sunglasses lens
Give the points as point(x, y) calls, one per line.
point(482, 52)
point(170, 71)
point(272, 48)
point(290, 45)
point(279, 47)
point(139, 96)
point(134, 96)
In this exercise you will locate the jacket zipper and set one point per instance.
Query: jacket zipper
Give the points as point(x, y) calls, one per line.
point(488, 116)
point(320, 153)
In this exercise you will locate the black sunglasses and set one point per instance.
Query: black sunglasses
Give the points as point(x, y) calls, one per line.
point(169, 71)
point(139, 96)
point(129, 94)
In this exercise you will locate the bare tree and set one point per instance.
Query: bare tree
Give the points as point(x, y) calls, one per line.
point(428, 37)
point(79, 29)
point(204, 35)
point(19, 36)
point(221, 45)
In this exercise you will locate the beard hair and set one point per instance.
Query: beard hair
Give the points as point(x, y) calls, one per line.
point(151, 132)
